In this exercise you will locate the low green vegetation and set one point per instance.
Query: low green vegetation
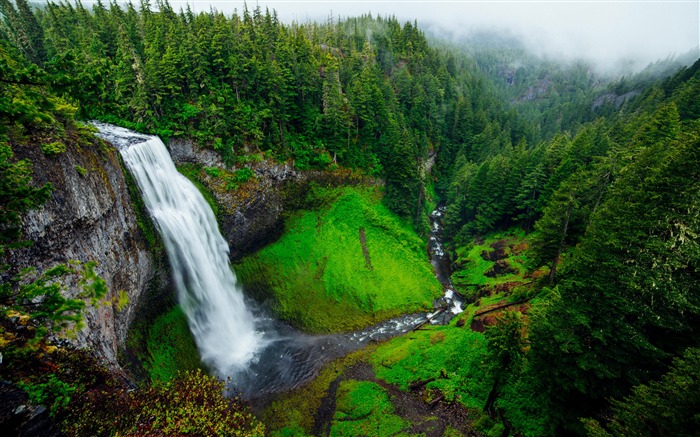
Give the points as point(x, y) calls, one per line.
point(191, 404)
point(450, 355)
point(82, 171)
point(293, 413)
point(351, 260)
point(194, 172)
point(474, 263)
point(442, 364)
point(364, 408)
point(171, 347)
point(53, 149)
point(608, 193)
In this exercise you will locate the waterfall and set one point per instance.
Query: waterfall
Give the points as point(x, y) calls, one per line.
point(222, 326)
point(263, 354)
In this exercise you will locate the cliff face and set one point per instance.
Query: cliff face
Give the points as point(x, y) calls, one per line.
point(90, 217)
point(251, 215)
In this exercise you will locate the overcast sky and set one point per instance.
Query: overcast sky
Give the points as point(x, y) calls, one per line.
point(602, 31)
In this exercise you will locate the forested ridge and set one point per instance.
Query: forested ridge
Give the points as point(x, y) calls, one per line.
point(600, 177)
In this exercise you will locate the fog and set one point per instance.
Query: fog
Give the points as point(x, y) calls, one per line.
point(607, 33)
point(610, 34)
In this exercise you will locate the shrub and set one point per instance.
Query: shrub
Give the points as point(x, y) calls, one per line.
point(239, 177)
point(192, 404)
point(212, 171)
point(54, 392)
point(82, 171)
point(53, 149)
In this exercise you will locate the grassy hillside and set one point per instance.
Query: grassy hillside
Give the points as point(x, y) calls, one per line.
point(432, 380)
point(350, 260)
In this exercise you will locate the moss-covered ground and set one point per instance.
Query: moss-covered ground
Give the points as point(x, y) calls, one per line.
point(471, 269)
point(350, 260)
point(364, 408)
point(443, 368)
point(171, 347)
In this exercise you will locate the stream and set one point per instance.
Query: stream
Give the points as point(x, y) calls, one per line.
point(237, 338)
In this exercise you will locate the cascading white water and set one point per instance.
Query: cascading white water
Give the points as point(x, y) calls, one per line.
point(222, 326)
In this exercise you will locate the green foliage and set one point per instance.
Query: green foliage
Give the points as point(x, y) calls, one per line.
point(364, 408)
point(38, 301)
point(352, 261)
point(627, 287)
point(214, 172)
point(53, 149)
point(309, 156)
point(239, 176)
point(54, 390)
point(17, 195)
point(506, 344)
point(454, 357)
point(469, 266)
point(82, 171)
point(669, 406)
point(191, 404)
point(613, 202)
point(171, 347)
point(316, 94)
point(122, 301)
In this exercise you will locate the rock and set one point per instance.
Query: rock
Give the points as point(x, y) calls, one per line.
point(536, 91)
point(494, 255)
point(501, 267)
point(19, 418)
point(252, 215)
point(185, 151)
point(89, 217)
point(611, 99)
point(498, 252)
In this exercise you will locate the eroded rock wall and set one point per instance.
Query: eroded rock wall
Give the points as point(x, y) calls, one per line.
point(90, 217)
point(252, 215)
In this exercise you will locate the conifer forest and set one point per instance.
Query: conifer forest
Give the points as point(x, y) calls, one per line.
point(421, 235)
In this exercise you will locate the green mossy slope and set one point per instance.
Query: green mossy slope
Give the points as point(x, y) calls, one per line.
point(351, 261)
point(171, 347)
point(364, 408)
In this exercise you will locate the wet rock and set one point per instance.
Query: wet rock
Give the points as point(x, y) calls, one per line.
point(252, 215)
point(494, 255)
point(19, 418)
point(501, 267)
point(482, 323)
point(185, 151)
point(89, 217)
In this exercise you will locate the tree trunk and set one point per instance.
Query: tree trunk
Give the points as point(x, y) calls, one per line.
point(279, 123)
point(553, 272)
point(492, 397)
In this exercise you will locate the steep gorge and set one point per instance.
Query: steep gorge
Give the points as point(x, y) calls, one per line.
point(92, 215)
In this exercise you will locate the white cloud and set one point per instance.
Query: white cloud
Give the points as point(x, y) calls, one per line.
point(605, 32)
